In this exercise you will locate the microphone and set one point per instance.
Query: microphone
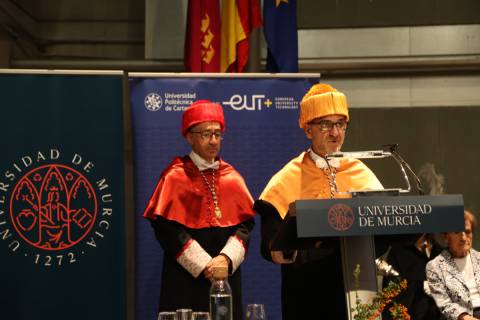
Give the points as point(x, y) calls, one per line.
point(388, 150)
point(361, 154)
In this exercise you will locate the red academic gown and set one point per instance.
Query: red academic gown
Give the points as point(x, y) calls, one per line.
point(182, 214)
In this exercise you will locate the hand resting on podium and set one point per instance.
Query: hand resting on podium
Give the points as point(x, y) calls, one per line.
point(283, 257)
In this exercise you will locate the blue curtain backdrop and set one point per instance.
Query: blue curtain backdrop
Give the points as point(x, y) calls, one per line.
point(62, 228)
point(262, 134)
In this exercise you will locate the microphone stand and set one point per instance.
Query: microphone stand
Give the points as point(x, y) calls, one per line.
point(389, 150)
point(393, 151)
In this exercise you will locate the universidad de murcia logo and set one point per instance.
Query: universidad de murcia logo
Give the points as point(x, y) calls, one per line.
point(341, 217)
point(58, 207)
point(53, 207)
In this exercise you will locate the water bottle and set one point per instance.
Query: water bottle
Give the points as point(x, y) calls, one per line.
point(221, 295)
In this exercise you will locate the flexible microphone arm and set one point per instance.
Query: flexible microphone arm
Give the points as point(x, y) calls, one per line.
point(361, 154)
point(393, 150)
point(387, 151)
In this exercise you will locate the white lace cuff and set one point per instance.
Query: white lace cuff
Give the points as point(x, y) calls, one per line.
point(193, 258)
point(235, 249)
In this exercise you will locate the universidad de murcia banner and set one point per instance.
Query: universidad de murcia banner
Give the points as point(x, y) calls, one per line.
point(379, 215)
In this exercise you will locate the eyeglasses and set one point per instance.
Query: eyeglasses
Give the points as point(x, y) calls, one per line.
point(327, 125)
point(207, 134)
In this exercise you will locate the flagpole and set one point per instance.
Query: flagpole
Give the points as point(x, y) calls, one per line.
point(254, 59)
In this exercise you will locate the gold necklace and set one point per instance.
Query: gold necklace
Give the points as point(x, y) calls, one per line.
point(218, 212)
point(331, 174)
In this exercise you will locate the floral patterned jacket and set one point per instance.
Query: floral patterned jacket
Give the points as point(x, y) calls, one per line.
point(447, 286)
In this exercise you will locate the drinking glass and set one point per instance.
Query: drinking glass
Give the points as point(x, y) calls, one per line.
point(200, 316)
point(167, 315)
point(184, 314)
point(255, 312)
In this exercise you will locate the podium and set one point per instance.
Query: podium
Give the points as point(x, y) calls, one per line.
point(357, 220)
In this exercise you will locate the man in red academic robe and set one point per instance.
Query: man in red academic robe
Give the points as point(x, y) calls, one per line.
point(201, 211)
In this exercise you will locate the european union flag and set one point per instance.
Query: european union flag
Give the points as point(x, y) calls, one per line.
point(280, 28)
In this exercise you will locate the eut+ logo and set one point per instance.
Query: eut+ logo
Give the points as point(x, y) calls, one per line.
point(246, 102)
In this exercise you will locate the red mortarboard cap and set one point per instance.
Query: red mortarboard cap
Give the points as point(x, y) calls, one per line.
point(202, 111)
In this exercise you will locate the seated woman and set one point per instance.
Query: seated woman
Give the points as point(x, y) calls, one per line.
point(454, 275)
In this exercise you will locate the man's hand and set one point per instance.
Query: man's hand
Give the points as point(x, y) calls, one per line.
point(218, 261)
point(292, 209)
point(278, 257)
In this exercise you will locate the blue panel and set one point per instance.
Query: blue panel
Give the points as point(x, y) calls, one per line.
point(262, 134)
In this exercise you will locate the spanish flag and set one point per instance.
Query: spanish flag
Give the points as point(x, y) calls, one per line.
point(239, 18)
point(202, 40)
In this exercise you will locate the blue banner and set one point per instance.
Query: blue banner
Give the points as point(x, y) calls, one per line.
point(62, 228)
point(261, 135)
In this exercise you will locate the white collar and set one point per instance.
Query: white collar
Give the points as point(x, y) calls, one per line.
point(203, 164)
point(321, 162)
